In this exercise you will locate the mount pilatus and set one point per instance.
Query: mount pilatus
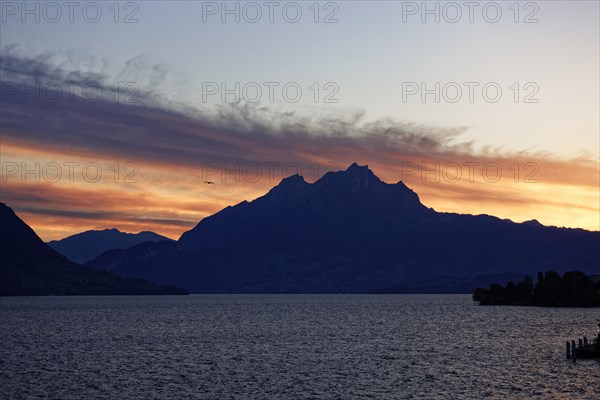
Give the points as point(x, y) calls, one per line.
point(351, 232)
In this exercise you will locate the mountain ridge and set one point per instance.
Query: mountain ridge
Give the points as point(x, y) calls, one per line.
point(31, 267)
point(85, 246)
point(352, 232)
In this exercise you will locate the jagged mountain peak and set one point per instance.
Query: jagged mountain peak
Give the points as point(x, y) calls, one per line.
point(288, 186)
point(355, 167)
point(293, 179)
point(355, 177)
point(532, 222)
point(355, 197)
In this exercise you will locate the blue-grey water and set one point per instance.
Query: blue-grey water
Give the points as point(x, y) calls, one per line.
point(290, 347)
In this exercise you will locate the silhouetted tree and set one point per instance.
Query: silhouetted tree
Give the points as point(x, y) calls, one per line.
point(574, 289)
point(510, 292)
point(547, 291)
point(481, 295)
point(524, 290)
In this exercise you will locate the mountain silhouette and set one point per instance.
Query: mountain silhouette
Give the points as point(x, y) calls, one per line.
point(337, 206)
point(31, 267)
point(351, 232)
point(85, 246)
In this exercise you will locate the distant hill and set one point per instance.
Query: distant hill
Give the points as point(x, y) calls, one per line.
point(86, 246)
point(28, 266)
point(350, 232)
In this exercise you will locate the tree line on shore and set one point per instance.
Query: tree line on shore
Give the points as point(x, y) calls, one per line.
point(573, 289)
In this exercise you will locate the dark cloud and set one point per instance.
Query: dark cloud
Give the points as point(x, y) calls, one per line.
point(141, 127)
point(87, 215)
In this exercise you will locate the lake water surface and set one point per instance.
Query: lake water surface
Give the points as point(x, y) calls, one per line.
point(290, 347)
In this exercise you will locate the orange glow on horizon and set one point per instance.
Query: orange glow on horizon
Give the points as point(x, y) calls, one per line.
point(171, 199)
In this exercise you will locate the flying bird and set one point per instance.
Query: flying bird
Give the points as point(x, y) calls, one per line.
point(209, 182)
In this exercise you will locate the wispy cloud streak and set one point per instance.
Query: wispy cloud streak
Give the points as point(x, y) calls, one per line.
point(176, 139)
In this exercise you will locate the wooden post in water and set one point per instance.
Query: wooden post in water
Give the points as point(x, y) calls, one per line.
point(574, 351)
point(568, 349)
point(580, 343)
point(584, 341)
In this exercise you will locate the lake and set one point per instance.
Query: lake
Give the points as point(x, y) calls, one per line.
point(290, 347)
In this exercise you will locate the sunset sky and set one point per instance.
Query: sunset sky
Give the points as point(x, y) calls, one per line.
point(120, 124)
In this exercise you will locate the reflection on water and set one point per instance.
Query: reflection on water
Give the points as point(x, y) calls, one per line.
point(289, 347)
